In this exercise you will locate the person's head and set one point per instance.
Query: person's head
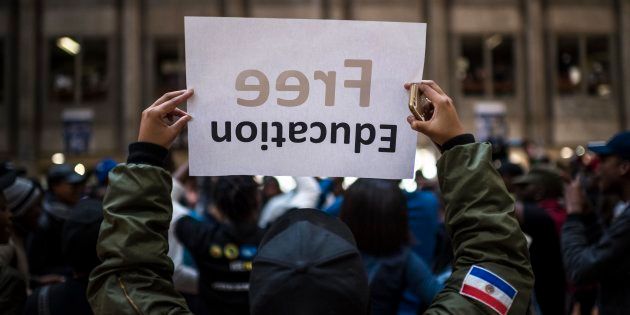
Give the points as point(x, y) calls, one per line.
point(80, 234)
point(614, 168)
point(510, 171)
point(65, 183)
point(22, 197)
point(337, 188)
point(271, 187)
point(308, 263)
point(375, 210)
point(541, 182)
point(237, 198)
point(423, 183)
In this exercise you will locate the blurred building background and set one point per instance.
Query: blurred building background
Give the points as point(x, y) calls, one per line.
point(75, 74)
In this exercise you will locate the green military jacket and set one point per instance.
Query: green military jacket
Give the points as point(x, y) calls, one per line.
point(135, 274)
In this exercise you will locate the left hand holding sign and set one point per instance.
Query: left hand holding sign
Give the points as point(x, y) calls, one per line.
point(154, 127)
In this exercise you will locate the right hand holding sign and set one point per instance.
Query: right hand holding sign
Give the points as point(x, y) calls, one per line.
point(444, 124)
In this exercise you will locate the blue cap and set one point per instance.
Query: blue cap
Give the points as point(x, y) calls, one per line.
point(102, 169)
point(618, 145)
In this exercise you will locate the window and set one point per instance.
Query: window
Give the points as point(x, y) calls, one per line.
point(583, 65)
point(169, 67)
point(502, 65)
point(78, 70)
point(2, 72)
point(94, 70)
point(597, 66)
point(471, 63)
point(169, 74)
point(486, 65)
point(568, 58)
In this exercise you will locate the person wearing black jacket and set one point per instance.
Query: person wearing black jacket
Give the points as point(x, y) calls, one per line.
point(225, 248)
point(78, 237)
point(605, 259)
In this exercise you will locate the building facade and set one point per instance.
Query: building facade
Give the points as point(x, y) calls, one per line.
point(76, 74)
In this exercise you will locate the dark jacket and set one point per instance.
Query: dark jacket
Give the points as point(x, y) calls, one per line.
point(605, 260)
point(546, 258)
point(44, 249)
point(12, 290)
point(135, 275)
point(223, 255)
point(66, 298)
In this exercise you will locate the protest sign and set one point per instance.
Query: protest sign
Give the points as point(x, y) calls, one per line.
point(301, 97)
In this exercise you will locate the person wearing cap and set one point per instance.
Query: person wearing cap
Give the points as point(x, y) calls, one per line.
point(593, 253)
point(543, 187)
point(311, 266)
point(541, 214)
point(23, 199)
point(65, 188)
point(509, 171)
point(12, 282)
point(79, 235)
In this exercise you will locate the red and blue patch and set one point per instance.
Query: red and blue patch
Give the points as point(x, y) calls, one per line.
point(486, 287)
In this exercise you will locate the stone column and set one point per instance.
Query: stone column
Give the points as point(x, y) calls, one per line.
point(27, 87)
point(436, 65)
point(537, 120)
point(437, 54)
point(624, 60)
point(131, 70)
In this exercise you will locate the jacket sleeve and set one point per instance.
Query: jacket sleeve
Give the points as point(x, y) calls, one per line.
point(481, 223)
point(587, 262)
point(135, 276)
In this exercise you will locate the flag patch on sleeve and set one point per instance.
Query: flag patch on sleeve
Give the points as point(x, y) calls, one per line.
point(486, 287)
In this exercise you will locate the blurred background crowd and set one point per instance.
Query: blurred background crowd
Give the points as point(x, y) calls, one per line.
point(51, 224)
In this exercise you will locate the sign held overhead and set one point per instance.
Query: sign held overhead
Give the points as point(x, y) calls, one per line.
point(301, 97)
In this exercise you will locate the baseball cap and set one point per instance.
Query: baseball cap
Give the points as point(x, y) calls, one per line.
point(619, 145)
point(510, 169)
point(308, 263)
point(63, 173)
point(102, 169)
point(542, 176)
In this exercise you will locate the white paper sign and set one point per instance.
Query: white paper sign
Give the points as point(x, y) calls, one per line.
point(301, 97)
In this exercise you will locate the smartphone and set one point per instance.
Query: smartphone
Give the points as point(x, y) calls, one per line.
point(419, 105)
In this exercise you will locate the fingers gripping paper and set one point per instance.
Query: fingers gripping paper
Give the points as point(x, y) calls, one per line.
point(301, 97)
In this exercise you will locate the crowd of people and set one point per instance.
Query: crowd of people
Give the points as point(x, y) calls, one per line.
point(490, 236)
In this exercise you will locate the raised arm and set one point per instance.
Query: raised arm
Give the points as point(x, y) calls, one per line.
point(491, 272)
point(135, 276)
